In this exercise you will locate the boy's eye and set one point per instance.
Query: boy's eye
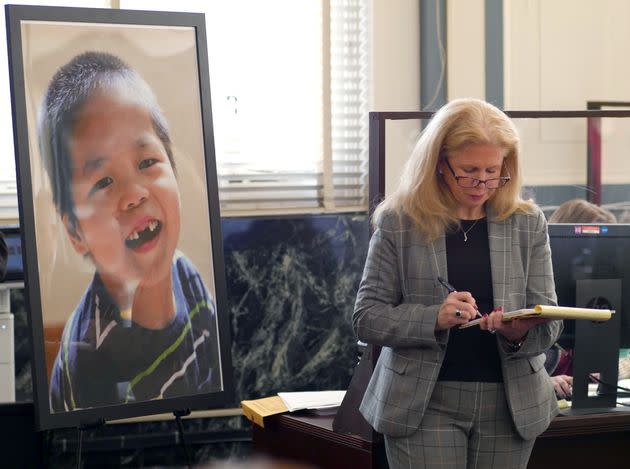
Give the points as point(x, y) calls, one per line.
point(101, 184)
point(147, 162)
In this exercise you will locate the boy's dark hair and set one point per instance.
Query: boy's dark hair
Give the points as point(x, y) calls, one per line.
point(71, 86)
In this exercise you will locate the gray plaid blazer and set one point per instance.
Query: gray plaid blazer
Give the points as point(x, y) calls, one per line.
point(397, 305)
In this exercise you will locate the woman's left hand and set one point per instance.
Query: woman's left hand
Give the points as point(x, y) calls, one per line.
point(514, 330)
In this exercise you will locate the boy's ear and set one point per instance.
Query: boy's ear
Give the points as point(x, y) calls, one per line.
point(75, 236)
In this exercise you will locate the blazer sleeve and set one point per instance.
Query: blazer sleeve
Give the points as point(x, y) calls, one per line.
point(381, 314)
point(540, 289)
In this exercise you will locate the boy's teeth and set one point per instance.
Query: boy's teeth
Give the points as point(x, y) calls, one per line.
point(152, 227)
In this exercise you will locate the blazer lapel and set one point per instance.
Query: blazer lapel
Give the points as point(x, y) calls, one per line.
point(500, 242)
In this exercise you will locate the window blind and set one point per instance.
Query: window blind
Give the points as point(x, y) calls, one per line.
point(328, 172)
point(349, 102)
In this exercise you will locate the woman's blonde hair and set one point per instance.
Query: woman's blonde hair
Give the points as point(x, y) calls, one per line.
point(581, 211)
point(424, 196)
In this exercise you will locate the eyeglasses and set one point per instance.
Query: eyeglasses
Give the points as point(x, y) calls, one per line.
point(468, 182)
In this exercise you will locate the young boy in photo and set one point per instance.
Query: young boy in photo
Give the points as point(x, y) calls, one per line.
point(146, 326)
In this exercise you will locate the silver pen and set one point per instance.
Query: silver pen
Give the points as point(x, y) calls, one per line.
point(451, 289)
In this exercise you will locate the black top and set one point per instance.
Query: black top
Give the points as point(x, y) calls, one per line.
point(471, 354)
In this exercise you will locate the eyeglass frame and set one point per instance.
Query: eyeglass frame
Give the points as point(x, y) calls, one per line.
point(503, 180)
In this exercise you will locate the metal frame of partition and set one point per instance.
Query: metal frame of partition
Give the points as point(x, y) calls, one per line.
point(376, 188)
point(594, 143)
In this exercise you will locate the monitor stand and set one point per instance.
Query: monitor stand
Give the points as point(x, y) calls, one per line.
point(596, 348)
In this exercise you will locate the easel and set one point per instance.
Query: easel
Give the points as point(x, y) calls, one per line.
point(82, 428)
point(178, 414)
point(180, 429)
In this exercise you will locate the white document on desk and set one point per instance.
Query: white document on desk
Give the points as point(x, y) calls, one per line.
point(312, 399)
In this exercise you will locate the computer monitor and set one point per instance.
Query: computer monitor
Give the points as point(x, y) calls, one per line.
point(591, 252)
point(15, 268)
point(591, 264)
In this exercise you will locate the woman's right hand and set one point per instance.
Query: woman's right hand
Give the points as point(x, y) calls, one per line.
point(461, 301)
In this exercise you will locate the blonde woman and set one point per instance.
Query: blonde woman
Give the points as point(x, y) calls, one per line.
point(444, 396)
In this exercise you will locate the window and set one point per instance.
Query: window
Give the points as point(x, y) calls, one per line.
point(8, 186)
point(289, 96)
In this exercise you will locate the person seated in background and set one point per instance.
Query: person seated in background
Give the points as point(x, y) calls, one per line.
point(581, 211)
point(624, 217)
point(559, 361)
point(559, 365)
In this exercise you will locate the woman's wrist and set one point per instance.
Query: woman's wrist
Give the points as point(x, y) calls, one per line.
point(516, 343)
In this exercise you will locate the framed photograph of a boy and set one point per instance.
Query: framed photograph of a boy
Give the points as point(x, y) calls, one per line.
point(119, 213)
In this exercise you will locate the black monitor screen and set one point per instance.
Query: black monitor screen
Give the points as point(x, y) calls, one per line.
point(15, 271)
point(591, 252)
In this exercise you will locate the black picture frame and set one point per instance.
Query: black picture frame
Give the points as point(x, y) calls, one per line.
point(152, 51)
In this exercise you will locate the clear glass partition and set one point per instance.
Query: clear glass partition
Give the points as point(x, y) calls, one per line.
point(565, 154)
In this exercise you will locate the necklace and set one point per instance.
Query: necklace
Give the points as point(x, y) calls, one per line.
point(468, 230)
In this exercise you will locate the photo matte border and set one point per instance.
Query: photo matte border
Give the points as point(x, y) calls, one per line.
point(15, 15)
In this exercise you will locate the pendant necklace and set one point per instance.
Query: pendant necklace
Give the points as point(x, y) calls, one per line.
point(468, 230)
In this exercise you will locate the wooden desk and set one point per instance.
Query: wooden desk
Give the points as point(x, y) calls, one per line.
point(585, 441)
point(588, 441)
point(311, 439)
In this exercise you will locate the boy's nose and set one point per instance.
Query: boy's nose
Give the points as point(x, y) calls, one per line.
point(133, 196)
point(135, 204)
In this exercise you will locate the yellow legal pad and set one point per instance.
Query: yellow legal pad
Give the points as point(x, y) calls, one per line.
point(553, 312)
point(256, 410)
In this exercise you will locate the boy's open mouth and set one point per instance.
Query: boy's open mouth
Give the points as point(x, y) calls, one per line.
point(138, 238)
